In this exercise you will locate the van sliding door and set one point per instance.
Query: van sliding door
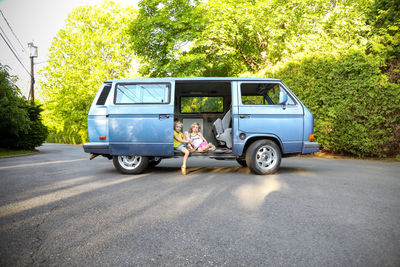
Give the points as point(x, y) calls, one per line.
point(141, 119)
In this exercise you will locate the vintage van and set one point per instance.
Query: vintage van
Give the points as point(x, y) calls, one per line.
point(253, 120)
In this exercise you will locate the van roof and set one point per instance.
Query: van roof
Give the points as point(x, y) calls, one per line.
point(189, 79)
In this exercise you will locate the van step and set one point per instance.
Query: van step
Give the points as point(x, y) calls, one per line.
point(217, 152)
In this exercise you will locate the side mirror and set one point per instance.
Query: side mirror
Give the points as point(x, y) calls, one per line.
point(283, 97)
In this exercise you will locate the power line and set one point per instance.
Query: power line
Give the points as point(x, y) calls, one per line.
point(23, 50)
point(15, 55)
point(8, 40)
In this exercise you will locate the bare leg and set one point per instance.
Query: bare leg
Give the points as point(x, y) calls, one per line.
point(185, 157)
point(187, 138)
point(203, 149)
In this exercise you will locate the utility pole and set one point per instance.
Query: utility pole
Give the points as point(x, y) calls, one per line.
point(33, 52)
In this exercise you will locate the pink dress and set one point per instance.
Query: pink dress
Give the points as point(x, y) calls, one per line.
point(197, 141)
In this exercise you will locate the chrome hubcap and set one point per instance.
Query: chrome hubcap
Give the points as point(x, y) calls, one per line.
point(129, 162)
point(266, 157)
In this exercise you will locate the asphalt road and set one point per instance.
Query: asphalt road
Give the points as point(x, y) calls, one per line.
point(59, 208)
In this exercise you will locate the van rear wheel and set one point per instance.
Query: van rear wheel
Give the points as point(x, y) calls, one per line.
point(130, 164)
point(263, 157)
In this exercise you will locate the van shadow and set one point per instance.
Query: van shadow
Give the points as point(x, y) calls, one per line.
point(225, 170)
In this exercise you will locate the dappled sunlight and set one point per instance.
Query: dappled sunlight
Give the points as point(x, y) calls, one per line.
point(251, 196)
point(221, 170)
point(186, 203)
point(49, 198)
point(35, 164)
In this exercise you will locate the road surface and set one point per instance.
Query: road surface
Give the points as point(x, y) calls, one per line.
point(58, 208)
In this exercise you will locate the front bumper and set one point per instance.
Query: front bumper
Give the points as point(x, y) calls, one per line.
point(97, 148)
point(310, 147)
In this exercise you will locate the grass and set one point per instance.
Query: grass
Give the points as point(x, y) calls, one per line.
point(9, 152)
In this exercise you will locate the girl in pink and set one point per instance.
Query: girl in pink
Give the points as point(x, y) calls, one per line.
point(198, 141)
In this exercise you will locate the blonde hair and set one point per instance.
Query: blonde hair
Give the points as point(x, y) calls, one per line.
point(194, 124)
point(177, 123)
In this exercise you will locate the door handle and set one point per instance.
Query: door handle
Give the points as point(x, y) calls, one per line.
point(164, 116)
point(244, 116)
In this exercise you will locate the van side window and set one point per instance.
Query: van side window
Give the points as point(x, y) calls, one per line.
point(206, 104)
point(262, 94)
point(103, 96)
point(155, 93)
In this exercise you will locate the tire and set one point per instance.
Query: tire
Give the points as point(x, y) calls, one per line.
point(154, 162)
point(242, 162)
point(263, 157)
point(130, 164)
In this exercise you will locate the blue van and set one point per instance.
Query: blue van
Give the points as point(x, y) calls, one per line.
point(255, 121)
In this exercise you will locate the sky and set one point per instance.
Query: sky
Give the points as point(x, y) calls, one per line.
point(36, 21)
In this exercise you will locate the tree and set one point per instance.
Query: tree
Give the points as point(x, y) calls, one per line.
point(20, 122)
point(14, 120)
point(384, 37)
point(92, 47)
point(161, 30)
point(230, 37)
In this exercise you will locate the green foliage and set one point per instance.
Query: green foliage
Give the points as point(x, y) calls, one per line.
point(68, 136)
point(229, 37)
point(384, 41)
point(10, 152)
point(20, 122)
point(160, 31)
point(92, 47)
point(356, 110)
point(202, 104)
point(37, 131)
point(14, 120)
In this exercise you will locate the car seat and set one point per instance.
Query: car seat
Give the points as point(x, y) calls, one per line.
point(223, 130)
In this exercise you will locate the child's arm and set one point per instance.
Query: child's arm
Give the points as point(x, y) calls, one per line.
point(203, 138)
point(180, 140)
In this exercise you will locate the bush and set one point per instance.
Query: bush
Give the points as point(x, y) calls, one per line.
point(68, 136)
point(20, 122)
point(37, 132)
point(356, 109)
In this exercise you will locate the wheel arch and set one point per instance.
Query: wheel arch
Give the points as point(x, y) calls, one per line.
point(253, 139)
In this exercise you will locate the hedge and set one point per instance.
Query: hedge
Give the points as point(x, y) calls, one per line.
point(356, 109)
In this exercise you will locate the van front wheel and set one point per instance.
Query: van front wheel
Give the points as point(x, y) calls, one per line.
point(263, 157)
point(130, 164)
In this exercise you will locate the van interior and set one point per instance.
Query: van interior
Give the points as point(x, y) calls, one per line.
point(209, 104)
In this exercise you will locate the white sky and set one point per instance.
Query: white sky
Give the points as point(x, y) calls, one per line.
point(38, 21)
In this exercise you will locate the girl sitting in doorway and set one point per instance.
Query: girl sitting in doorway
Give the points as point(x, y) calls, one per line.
point(180, 144)
point(198, 141)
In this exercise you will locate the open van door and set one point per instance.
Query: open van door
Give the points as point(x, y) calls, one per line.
point(141, 119)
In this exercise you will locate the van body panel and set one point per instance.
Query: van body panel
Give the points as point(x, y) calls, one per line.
point(97, 119)
point(98, 125)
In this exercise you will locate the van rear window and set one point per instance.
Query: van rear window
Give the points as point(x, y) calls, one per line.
point(155, 93)
point(103, 96)
point(202, 104)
